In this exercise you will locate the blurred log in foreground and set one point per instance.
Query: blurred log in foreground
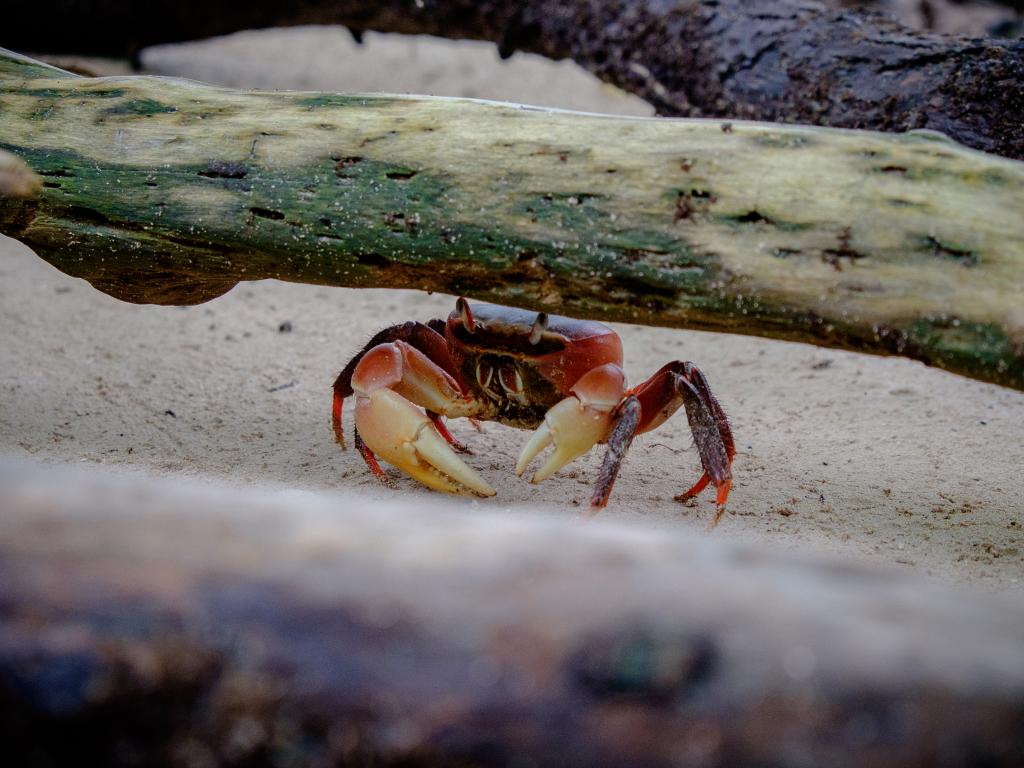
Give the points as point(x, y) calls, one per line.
point(169, 191)
point(778, 60)
point(147, 624)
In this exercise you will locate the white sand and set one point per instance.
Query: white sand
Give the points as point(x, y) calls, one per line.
point(870, 458)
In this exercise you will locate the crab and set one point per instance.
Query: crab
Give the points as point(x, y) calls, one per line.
point(560, 377)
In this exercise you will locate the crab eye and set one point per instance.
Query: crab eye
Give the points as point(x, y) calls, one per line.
point(539, 326)
point(466, 314)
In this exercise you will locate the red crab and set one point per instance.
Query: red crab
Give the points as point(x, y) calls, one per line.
point(559, 376)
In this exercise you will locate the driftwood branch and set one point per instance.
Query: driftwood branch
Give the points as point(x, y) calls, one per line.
point(145, 625)
point(168, 191)
point(775, 60)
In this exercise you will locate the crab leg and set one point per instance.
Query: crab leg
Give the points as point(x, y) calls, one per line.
point(438, 421)
point(626, 422)
point(389, 382)
point(371, 462)
point(577, 423)
point(683, 384)
point(711, 447)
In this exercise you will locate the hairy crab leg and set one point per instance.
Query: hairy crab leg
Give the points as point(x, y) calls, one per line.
point(336, 406)
point(696, 377)
point(626, 421)
point(577, 423)
point(710, 446)
point(389, 382)
point(683, 384)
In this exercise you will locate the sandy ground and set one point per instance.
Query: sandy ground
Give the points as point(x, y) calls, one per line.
point(867, 458)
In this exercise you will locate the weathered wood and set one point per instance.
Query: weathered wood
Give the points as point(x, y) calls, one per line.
point(152, 625)
point(777, 60)
point(168, 191)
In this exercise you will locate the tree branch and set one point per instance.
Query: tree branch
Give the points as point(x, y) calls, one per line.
point(775, 60)
point(169, 191)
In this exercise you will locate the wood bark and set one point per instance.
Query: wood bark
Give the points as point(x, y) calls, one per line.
point(775, 60)
point(153, 625)
point(168, 191)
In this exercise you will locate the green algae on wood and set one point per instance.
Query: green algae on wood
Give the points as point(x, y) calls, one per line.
point(168, 191)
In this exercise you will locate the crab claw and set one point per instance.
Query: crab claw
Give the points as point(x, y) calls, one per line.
point(577, 423)
point(402, 435)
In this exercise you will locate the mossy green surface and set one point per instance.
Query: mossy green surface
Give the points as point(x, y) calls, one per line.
point(139, 107)
point(169, 191)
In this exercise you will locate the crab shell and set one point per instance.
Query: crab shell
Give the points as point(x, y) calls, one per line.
point(519, 364)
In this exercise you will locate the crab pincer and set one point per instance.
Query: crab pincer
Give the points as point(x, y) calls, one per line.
point(389, 383)
point(577, 423)
point(402, 435)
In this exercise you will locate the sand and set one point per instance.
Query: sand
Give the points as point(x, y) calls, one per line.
point(864, 458)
